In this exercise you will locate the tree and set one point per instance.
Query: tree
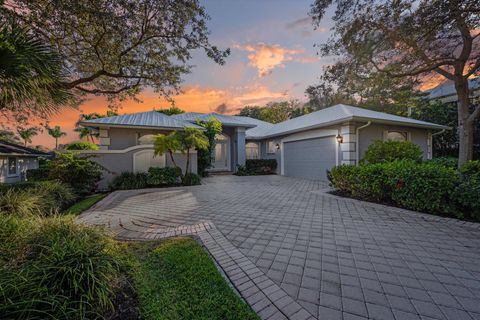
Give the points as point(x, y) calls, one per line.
point(8, 136)
point(167, 144)
point(115, 48)
point(275, 112)
point(27, 134)
point(56, 132)
point(250, 111)
point(191, 138)
point(212, 128)
point(30, 73)
point(89, 132)
point(81, 145)
point(408, 39)
point(171, 111)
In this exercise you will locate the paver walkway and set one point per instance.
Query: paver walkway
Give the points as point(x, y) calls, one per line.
point(336, 258)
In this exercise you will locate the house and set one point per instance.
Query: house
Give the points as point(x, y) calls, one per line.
point(15, 160)
point(446, 92)
point(306, 146)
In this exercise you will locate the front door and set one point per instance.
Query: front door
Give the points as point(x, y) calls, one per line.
point(220, 155)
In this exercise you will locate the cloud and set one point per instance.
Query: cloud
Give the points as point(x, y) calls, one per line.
point(266, 57)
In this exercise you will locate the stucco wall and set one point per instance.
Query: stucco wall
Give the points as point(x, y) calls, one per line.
point(23, 164)
point(121, 138)
point(376, 131)
point(118, 162)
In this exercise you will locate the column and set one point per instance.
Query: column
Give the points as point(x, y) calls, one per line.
point(240, 147)
point(348, 146)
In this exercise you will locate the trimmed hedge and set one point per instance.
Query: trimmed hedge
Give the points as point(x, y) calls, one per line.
point(387, 151)
point(427, 187)
point(167, 176)
point(156, 177)
point(257, 167)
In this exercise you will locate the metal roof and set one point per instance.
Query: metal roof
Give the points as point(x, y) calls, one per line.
point(448, 90)
point(334, 115)
point(224, 119)
point(8, 148)
point(150, 119)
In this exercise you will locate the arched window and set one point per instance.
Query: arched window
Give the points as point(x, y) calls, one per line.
point(397, 136)
point(146, 139)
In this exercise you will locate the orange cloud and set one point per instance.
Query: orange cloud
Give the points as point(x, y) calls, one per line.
point(267, 57)
point(193, 98)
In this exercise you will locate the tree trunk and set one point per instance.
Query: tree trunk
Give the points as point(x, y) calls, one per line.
point(188, 161)
point(465, 125)
point(171, 157)
point(56, 143)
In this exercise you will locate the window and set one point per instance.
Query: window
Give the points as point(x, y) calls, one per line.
point(146, 139)
point(12, 166)
point(396, 136)
point(251, 149)
point(271, 147)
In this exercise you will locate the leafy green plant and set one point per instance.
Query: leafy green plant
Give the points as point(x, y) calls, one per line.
point(191, 179)
point(129, 180)
point(449, 162)
point(21, 203)
point(243, 171)
point(204, 156)
point(467, 194)
point(55, 195)
point(261, 166)
point(68, 271)
point(387, 151)
point(163, 176)
point(81, 145)
point(79, 172)
point(426, 187)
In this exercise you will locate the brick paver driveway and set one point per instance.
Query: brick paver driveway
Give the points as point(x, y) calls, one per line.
point(338, 258)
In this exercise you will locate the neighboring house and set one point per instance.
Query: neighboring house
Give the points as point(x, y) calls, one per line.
point(447, 93)
point(15, 160)
point(306, 146)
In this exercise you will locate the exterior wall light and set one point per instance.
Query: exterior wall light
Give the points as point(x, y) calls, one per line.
point(339, 138)
point(277, 146)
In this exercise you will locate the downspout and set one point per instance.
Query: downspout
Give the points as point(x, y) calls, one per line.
point(439, 132)
point(357, 141)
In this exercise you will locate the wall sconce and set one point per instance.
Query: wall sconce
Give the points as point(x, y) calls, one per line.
point(339, 138)
point(277, 146)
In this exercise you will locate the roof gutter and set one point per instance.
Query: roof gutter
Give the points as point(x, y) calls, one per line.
point(357, 141)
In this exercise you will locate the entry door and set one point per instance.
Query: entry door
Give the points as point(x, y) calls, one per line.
point(220, 156)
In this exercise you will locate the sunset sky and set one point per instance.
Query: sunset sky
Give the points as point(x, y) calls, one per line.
point(272, 58)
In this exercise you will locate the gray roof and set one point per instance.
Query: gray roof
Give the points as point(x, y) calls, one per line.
point(9, 148)
point(224, 119)
point(151, 119)
point(334, 115)
point(448, 90)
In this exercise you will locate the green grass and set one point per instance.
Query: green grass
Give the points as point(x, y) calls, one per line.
point(85, 204)
point(177, 279)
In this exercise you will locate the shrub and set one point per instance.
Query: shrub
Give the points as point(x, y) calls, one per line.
point(448, 162)
point(261, 166)
point(424, 187)
point(243, 171)
point(33, 198)
point(163, 176)
point(129, 180)
point(80, 173)
point(81, 145)
point(21, 203)
point(387, 151)
point(191, 179)
point(67, 271)
point(467, 194)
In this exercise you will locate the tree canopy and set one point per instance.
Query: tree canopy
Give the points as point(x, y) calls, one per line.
point(116, 48)
point(275, 112)
point(402, 42)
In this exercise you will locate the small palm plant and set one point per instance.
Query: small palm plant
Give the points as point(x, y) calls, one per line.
point(56, 132)
point(27, 134)
point(183, 141)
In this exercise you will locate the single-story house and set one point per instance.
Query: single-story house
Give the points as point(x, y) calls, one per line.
point(15, 160)
point(306, 146)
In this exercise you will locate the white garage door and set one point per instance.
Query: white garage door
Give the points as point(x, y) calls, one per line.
point(142, 160)
point(309, 158)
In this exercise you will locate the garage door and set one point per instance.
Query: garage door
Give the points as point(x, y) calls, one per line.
point(309, 158)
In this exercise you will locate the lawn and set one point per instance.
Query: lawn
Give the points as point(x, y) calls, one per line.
point(176, 279)
point(85, 204)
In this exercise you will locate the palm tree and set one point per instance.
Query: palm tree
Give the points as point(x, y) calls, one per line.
point(56, 132)
point(90, 132)
point(27, 134)
point(30, 73)
point(166, 144)
point(191, 138)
